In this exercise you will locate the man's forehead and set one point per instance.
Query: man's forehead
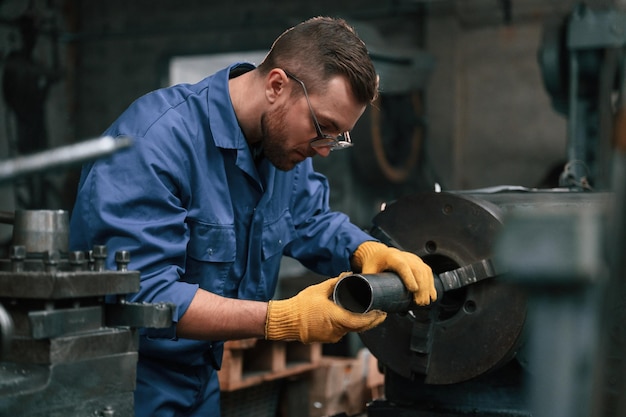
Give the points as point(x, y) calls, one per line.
point(336, 105)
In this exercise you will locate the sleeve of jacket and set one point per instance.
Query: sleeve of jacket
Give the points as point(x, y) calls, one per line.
point(132, 201)
point(326, 239)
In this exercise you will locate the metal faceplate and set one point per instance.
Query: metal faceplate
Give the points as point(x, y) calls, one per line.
point(469, 331)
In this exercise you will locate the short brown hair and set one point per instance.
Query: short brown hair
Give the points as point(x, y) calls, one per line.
point(320, 48)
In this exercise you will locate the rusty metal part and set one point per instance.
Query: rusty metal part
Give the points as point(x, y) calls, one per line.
point(476, 328)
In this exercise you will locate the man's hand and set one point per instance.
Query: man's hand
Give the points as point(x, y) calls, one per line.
point(374, 257)
point(310, 316)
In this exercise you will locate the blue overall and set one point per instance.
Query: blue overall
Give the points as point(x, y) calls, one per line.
point(195, 211)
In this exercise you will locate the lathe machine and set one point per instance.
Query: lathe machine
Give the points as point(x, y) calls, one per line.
point(535, 324)
point(469, 353)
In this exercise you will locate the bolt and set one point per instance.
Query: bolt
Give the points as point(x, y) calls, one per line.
point(90, 260)
point(51, 260)
point(107, 412)
point(122, 259)
point(17, 255)
point(99, 254)
point(77, 260)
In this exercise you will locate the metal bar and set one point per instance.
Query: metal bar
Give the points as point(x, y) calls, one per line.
point(62, 156)
point(54, 323)
point(66, 284)
point(157, 315)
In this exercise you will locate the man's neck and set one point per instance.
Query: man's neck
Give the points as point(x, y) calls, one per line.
point(246, 104)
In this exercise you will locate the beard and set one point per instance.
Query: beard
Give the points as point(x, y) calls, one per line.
point(274, 139)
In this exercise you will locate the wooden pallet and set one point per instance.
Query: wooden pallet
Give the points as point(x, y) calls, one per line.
point(375, 380)
point(251, 362)
point(345, 385)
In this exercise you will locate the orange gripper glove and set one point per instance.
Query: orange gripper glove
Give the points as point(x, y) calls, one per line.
point(375, 257)
point(310, 316)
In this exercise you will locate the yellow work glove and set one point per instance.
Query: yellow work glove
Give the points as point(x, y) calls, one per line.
point(374, 257)
point(310, 316)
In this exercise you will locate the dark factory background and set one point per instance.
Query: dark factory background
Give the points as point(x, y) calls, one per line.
point(476, 96)
point(469, 92)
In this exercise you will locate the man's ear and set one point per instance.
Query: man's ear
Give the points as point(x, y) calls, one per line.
point(275, 84)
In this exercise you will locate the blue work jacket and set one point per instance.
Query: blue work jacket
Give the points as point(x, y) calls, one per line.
point(195, 211)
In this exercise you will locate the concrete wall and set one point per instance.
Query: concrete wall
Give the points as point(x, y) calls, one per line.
point(491, 122)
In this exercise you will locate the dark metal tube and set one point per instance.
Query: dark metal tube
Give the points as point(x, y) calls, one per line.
point(361, 293)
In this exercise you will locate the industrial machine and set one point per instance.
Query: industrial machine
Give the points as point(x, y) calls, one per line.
point(468, 352)
point(68, 338)
point(529, 317)
point(538, 331)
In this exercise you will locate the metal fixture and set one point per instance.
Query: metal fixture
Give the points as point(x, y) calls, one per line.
point(61, 344)
point(467, 351)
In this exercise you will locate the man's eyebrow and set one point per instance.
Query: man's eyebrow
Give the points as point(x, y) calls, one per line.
point(328, 121)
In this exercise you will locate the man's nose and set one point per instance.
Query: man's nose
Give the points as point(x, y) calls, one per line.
point(323, 151)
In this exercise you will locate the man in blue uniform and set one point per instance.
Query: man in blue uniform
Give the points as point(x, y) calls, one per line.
point(218, 186)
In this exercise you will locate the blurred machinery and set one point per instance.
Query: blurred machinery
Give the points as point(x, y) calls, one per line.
point(541, 333)
point(581, 58)
point(468, 353)
point(63, 350)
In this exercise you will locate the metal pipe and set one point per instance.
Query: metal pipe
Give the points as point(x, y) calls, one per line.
point(360, 293)
point(62, 156)
point(385, 291)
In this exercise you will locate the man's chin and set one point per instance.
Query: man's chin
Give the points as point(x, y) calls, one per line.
point(286, 166)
